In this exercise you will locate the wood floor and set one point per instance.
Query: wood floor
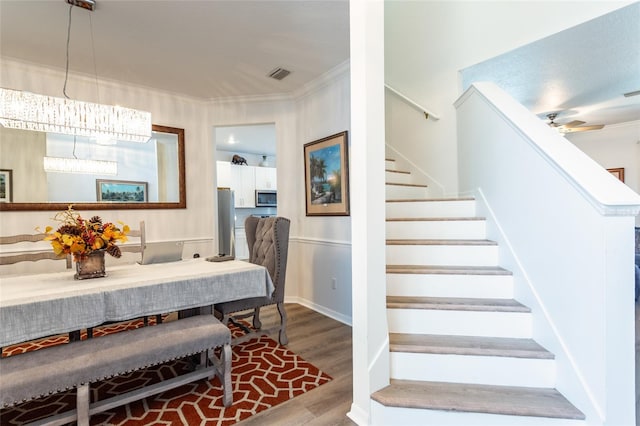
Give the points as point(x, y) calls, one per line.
point(325, 343)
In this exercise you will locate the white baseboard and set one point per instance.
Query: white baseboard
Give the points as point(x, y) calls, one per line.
point(321, 309)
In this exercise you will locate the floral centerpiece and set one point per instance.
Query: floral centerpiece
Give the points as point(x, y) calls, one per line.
point(80, 237)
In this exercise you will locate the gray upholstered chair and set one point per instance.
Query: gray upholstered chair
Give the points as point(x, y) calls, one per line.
point(268, 240)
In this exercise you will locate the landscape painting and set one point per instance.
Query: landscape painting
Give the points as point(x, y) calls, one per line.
point(121, 191)
point(6, 186)
point(326, 176)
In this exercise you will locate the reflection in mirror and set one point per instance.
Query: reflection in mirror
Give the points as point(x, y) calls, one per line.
point(155, 168)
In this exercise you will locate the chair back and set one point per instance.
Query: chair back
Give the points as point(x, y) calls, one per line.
point(268, 241)
point(29, 255)
point(135, 233)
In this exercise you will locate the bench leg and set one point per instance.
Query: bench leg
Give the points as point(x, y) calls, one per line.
point(227, 389)
point(82, 405)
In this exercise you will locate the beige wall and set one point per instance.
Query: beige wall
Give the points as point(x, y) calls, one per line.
point(29, 179)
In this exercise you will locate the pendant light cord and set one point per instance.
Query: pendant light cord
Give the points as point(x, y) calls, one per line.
point(66, 71)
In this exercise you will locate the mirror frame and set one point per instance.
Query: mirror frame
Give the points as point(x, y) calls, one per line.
point(181, 204)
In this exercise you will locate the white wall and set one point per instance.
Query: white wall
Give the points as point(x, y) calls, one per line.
point(614, 146)
point(428, 42)
point(166, 109)
point(565, 229)
point(321, 247)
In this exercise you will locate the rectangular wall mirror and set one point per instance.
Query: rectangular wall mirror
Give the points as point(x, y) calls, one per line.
point(120, 175)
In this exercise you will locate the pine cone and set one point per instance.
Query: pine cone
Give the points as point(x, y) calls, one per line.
point(114, 251)
point(96, 219)
point(69, 229)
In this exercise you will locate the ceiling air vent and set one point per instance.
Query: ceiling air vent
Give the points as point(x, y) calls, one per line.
point(279, 73)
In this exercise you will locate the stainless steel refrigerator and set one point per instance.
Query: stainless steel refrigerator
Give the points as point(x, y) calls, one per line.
point(226, 223)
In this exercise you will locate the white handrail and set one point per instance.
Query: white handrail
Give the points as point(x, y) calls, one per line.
point(428, 114)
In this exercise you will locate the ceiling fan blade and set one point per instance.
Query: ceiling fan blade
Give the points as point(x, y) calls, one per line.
point(573, 123)
point(582, 128)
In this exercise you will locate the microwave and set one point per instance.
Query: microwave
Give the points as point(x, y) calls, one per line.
point(266, 198)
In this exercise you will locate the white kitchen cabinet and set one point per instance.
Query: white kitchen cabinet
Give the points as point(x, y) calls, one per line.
point(266, 178)
point(243, 183)
point(223, 174)
point(242, 249)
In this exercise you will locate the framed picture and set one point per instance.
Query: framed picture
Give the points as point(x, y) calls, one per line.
point(326, 176)
point(618, 172)
point(6, 185)
point(121, 191)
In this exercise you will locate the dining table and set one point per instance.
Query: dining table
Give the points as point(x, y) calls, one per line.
point(40, 305)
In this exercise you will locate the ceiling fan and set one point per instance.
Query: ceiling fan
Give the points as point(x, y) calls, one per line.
point(572, 126)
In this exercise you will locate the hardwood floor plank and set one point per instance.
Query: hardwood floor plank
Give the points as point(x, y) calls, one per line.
point(326, 343)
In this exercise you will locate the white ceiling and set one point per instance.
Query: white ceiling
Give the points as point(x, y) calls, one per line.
point(206, 48)
point(215, 48)
point(582, 72)
point(253, 138)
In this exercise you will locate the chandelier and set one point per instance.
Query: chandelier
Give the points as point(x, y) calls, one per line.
point(30, 111)
point(80, 166)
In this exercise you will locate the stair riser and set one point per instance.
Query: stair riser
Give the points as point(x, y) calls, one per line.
point(389, 165)
point(443, 285)
point(488, 370)
point(395, 177)
point(400, 192)
point(419, 209)
point(437, 229)
point(397, 416)
point(459, 323)
point(452, 255)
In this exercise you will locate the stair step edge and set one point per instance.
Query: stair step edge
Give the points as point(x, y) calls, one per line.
point(438, 242)
point(468, 345)
point(411, 185)
point(447, 270)
point(456, 304)
point(412, 200)
point(489, 399)
point(435, 219)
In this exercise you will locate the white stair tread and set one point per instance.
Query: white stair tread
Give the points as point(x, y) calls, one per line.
point(492, 399)
point(413, 185)
point(429, 200)
point(467, 345)
point(456, 303)
point(434, 219)
point(440, 242)
point(447, 270)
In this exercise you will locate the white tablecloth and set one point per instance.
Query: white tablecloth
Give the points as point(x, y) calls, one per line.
point(33, 306)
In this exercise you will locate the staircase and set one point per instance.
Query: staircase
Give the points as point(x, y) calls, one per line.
point(461, 347)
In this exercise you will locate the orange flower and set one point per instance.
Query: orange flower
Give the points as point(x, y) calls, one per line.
point(80, 237)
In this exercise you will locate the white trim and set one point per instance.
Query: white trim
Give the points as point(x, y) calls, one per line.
point(320, 241)
point(320, 309)
point(324, 80)
point(505, 242)
point(417, 169)
point(581, 172)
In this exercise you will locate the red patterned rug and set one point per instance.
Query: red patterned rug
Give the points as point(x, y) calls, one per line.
point(264, 374)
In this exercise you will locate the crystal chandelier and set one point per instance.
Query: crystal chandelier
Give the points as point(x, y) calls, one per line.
point(30, 111)
point(75, 165)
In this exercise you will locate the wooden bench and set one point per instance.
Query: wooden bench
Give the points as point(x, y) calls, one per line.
point(77, 364)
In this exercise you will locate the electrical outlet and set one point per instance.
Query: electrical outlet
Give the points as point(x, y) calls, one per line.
point(334, 283)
